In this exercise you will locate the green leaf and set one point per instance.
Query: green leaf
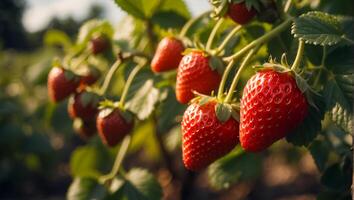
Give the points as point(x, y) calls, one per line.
point(320, 153)
point(169, 109)
point(234, 167)
point(88, 161)
point(92, 27)
point(173, 139)
point(217, 64)
point(143, 102)
point(339, 88)
point(168, 19)
point(310, 127)
point(139, 184)
point(335, 177)
point(223, 111)
point(138, 8)
point(320, 28)
point(85, 188)
point(178, 6)
point(57, 38)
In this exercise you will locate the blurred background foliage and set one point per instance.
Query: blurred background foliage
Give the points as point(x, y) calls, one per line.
point(40, 153)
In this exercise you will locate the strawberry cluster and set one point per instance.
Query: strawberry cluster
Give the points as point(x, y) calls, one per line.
point(83, 104)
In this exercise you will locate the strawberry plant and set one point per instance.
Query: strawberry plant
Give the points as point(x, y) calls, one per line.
point(259, 77)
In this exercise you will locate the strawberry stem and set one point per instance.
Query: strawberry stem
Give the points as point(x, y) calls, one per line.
point(238, 76)
point(299, 54)
point(191, 22)
point(224, 77)
point(287, 6)
point(261, 40)
point(109, 76)
point(118, 161)
point(213, 33)
point(228, 38)
point(127, 85)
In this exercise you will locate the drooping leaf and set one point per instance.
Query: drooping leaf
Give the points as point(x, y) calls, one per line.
point(169, 109)
point(168, 19)
point(320, 28)
point(85, 188)
point(337, 178)
point(57, 38)
point(88, 161)
point(178, 6)
point(139, 184)
point(143, 102)
point(94, 26)
point(138, 8)
point(310, 127)
point(320, 153)
point(234, 167)
point(223, 111)
point(339, 88)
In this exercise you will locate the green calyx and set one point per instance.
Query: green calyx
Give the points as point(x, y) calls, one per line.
point(220, 8)
point(301, 82)
point(223, 111)
point(89, 98)
point(70, 76)
point(250, 4)
point(216, 63)
point(107, 107)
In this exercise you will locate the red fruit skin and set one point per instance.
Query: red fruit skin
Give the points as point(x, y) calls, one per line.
point(168, 55)
point(86, 129)
point(239, 13)
point(271, 107)
point(59, 87)
point(99, 44)
point(195, 74)
point(77, 109)
point(204, 138)
point(90, 78)
point(113, 128)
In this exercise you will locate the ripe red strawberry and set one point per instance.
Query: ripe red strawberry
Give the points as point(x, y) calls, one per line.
point(204, 137)
point(168, 55)
point(83, 105)
point(240, 14)
point(99, 44)
point(272, 105)
point(61, 83)
point(85, 129)
point(91, 76)
point(113, 125)
point(195, 74)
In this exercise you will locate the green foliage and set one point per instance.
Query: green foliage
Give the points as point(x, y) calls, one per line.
point(85, 188)
point(320, 152)
point(89, 161)
point(320, 28)
point(235, 167)
point(137, 184)
point(339, 88)
point(92, 27)
point(310, 127)
point(144, 100)
point(57, 38)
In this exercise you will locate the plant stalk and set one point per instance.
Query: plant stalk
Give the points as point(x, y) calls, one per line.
point(191, 22)
point(299, 55)
point(224, 78)
point(119, 160)
point(130, 79)
point(238, 76)
point(228, 38)
point(213, 33)
point(261, 40)
point(109, 76)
